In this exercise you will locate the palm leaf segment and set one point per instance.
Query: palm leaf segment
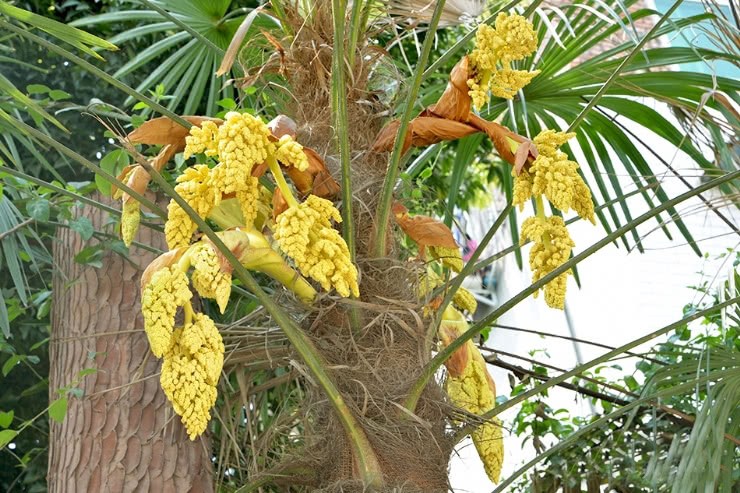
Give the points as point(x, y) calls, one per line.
point(180, 59)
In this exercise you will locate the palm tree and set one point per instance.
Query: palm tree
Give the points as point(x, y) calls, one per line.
point(341, 393)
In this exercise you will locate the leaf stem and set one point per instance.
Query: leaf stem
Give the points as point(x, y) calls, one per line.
point(339, 109)
point(86, 163)
point(384, 207)
point(96, 72)
point(430, 369)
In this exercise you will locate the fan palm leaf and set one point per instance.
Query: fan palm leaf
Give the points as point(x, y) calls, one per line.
point(189, 41)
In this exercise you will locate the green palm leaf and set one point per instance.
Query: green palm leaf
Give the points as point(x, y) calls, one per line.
point(189, 39)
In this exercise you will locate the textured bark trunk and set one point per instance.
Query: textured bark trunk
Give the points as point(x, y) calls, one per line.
point(122, 435)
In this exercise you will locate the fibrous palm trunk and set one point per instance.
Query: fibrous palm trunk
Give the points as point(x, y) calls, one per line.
point(122, 434)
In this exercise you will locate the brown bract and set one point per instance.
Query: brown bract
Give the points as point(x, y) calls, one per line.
point(451, 118)
point(456, 363)
point(454, 104)
point(137, 178)
point(167, 259)
point(424, 230)
point(279, 204)
point(163, 130)
point(316, 179)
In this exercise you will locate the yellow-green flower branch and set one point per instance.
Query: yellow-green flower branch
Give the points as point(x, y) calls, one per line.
point(470, 387)
point(513, 38)
point(555, 177)
point(367, 463)
point(238, 145)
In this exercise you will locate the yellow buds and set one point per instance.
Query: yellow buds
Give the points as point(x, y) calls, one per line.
point(450, 257)
point(166, 291)
point(209, 277)
point(513, 38)
point(190, 372)
point(201, 139)
point(471, 388)
point(248, 198)
point(130, 218)
point(557, 177)
point(552, 247)
point(194, 187)
point(464, 300)
point(243, 141)
point(517, 36)
point(290, 153)
point(304, 233)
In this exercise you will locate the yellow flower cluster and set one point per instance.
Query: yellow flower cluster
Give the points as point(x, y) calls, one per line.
point(249, 199)
point(474, 391)
point(513, 38)
point(208, 278)
point(194, 186)
point(305, 234)
point(243, 141)
point(449, 257)
point(201, 140)
point(166, 291)
point(190, 372)
point(554, 175)
point(552, 247)
point(290, 153)
point(130, 218)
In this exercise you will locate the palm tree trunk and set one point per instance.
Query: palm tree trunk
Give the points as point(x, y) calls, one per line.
point(122, 434)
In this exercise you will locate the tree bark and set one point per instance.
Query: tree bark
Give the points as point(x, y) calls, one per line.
point(122, 435)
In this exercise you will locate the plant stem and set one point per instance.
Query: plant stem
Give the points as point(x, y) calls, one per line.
point(282, 185)
point(386, 198)
point(430, 369)
point(86, 163)
point(367, 462)
point(339, 110)
point(356, 26)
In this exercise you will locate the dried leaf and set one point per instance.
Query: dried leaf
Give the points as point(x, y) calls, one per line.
point(500, 136)
point(428, 130)
point(316, 179)
point(424, 230)
point(138, 180)
point(455, 102)
point(422, 131)
point(279, 204)
point(236, 42)
point(449, 331)
point(123, 175)
point(165, 154)
point(163, 131)
point(387, 136)
point(165, 260)
point(522, 154)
